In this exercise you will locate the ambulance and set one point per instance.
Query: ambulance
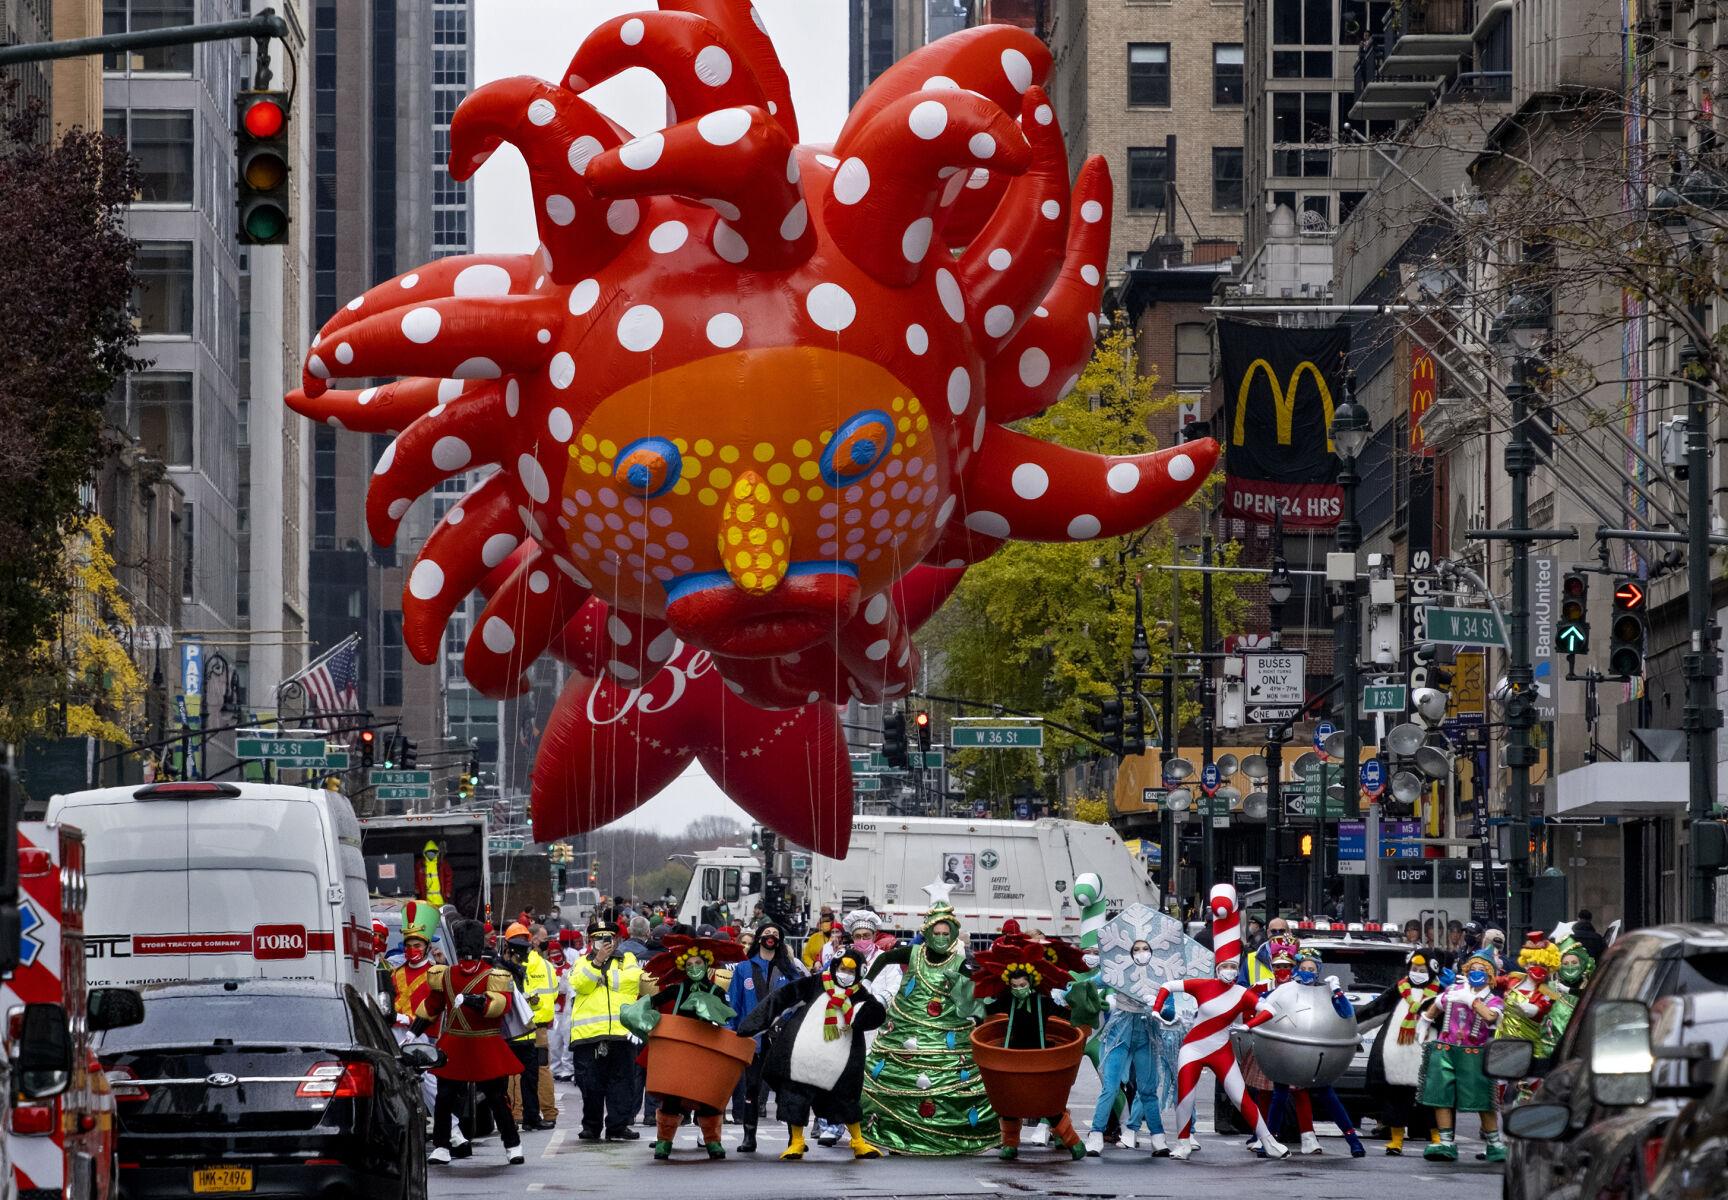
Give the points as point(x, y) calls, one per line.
point(196, 880)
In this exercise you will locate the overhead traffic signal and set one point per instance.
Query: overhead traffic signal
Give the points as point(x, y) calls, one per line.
point(368, 747)
point(408, 754)
point(391, 753)
point(1133, 724)
point(1627, 632)
point(263, 166)
point(1573, 632)
point(894, 740)
point(1108, 723)
point(922, 721)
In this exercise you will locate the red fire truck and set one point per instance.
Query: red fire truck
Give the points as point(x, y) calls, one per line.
point(60, 1122)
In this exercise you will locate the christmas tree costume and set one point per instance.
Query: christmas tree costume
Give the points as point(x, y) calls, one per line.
point(922, 1091)
point(1568, 984)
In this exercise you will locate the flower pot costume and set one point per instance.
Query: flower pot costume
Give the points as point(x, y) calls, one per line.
point(923, 1093)
point(816, 1062)
point(1453, 1079)
point(1395, 1062)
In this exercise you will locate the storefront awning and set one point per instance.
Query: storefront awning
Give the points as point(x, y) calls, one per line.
point(1622, 789)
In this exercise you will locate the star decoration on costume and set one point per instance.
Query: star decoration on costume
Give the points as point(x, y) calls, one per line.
point(938, 892)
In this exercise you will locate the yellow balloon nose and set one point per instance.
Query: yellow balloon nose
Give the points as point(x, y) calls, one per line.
point(755, 536)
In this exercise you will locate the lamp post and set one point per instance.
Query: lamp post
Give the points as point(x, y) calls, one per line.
point(1519, 333)
point(1279, 588)
point(1350, 432)
point(1686, 215)
point(215, 663)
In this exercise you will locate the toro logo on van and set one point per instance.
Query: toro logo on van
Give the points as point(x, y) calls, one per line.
point(279, 941)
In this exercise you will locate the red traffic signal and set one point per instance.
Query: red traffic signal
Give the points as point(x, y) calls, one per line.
point(1629, 596)
point(923, 719)
point(263, 157)
point(264, 119)
point(367, 737)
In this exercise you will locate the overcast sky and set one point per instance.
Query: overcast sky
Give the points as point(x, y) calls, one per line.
point(539, 37)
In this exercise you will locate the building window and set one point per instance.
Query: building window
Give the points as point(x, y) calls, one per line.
point(162, 144)
point(1149, 74)
point(1193, 355)
point(1149, 175)
point(1302, 23)
point(1298, 118)
point(390, 660)
point(162, 300)
point(1227, 73)
point(137, 16)
point(160, 415)
point(1347, 202)
point(1226, 179)
point(188, 553)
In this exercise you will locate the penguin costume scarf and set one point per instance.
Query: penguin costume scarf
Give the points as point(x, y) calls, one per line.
point(837, 1018)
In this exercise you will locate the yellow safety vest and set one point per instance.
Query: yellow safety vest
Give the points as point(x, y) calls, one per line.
point(434, 885)
point(542, 988)
point(598, 995)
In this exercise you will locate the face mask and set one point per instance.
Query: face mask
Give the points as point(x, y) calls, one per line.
point(862, 941)
point(1142, 957)
point(845, 979)
point(1477, 978)
point(1418, 977)
point(941, 941)
point(414, 953)
point(1571, 973)
point(696, 969)
point(1228, 972)
point(767, 946)
point(1281, 974)
point(1305, 977)
point(1020, 988)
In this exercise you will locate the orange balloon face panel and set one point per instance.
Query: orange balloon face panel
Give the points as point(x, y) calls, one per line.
point(748, 401)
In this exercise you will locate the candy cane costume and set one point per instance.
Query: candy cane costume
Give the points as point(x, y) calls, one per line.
point(1222, 1002)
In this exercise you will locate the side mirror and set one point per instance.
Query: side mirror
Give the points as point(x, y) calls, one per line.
point(114, 1008)
point(1621, 1059)
point(44, 1052)
point(423, 1056)
point(1538, 1122)
point(1509, 1058)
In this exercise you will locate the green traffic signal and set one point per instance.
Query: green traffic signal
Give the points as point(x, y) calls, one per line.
point(1574, 638)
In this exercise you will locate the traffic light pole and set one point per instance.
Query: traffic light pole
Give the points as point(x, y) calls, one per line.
point(1520, 676)
point(1208, 694)
point(1349, 646)
point(1702, 717)
point(265, 24)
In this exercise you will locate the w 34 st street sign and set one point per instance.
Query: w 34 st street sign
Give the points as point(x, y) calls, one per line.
point(1464, 626)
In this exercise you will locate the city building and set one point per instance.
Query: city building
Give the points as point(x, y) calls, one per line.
point(28, 21)
point(77, 82)
point(882, 32)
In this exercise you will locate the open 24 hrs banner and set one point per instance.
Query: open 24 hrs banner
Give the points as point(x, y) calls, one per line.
point(1280, 387)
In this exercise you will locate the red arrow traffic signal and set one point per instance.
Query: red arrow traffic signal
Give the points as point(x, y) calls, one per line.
point(1629, 595)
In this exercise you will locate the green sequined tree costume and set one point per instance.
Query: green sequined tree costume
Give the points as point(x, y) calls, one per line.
point(922, 1092)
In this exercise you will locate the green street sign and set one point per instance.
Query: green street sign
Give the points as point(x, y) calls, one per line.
point(1464, 626)
point(1385, 697)
point(996, 737)
point(504, 845)
point(279, 748)
point(382, 777)
point(405, 792)
point(1307, 801)
point(867, 783)
point(930, 760)
point(336, 760)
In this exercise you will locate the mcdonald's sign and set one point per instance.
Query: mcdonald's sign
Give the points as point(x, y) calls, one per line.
point(1280, 389)
point(1422, 386)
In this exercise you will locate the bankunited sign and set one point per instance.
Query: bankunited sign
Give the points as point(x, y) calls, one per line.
point(1280, 388)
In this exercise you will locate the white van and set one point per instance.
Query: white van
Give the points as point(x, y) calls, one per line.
point(204, 880)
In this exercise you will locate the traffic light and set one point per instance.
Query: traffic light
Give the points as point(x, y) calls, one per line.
point(1133, 724)
point(755, 839)
point(263, 165)
point(1428, 671)
point(1307, 845)
point(368, 747)
point(1573, 633)
point(410, 754)
point(391, 756)
point(922, 720)
point(1108, 723)
point(894, 740)
point(1627, 630)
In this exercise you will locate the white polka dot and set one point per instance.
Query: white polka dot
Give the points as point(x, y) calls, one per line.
point(478, 367)
point(1030, 481)
point(630, 33)
point(422, 325)
point(315, 367)
point(534, 478)
point(1043, 114)
point(622, 216)
point(559, 424)
point(831, 307)
point(1091, 212)
point(640, 328)
point(1068, 387)
point(729, 244)
point(541, 112)
point(1017, 68)
point(948, 291)
point(641, 153)
point(560, 209)
point(356, 304)
point(915, 242)
point(544, 337)
point(940, 83)
point(1084, 527)
point(851, 181)
point(569, 568)
point(1034, 367)
point(917, 339)
point(455, 515)
point(959, 390)
point(952, 191)
point(793, 171)
point(410, 281)
point(982, 145)
point(661, 648)
point(619, 632)
point(929, 119)
point(427, 580)
point(482, 279)
point(584, 296)
point(1180, 467)
point(978, 179)
point(999, 320)
point(1051, 209)
point(399, 509)
point(450, 454)
point(512, 398)
point(345, 354)
point(713, 66)
point(365, 397)
point(877, 651)
point(987, 523)
point(725, 330)
point(1090, 274)
point(582, 152)
point(623, 671)
point(497, 548)
point(499, 637)
point(978, 428)
point(796, 222)
point(668, 237)
point(876, 609)
point(1123, 477)
point(725, 208)
point(538, 582)
point(946, 511)
point(724, 127)
point(1000, 259)
point(562, 371)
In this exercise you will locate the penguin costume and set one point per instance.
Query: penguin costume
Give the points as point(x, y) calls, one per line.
point(1395, 1062)
point(816, 1061)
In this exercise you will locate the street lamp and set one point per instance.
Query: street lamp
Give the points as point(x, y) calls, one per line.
point(1351, 430)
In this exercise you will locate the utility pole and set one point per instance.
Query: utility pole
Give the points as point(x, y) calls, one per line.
point(1172, 848)
point(1702, 716)
point(1207, 695)
point(1278, 592)
point(1349, 647)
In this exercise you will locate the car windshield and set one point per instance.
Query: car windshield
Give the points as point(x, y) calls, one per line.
point(208, 1020)
point(1363, 968)
point(1700, 973)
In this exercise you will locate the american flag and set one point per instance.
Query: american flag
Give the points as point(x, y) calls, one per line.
point(333, 683)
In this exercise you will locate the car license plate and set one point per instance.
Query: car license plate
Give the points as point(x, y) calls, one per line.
point(210, 1180)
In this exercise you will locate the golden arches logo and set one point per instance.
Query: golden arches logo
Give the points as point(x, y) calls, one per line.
point(1283, 399)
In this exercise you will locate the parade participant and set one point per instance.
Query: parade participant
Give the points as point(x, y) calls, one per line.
point(680, 981)
point(538, 1103)
point(603, 981)
point(1281, 965)
point(433, 882)
point(1130, 1049)
point(816, 1064)
point(1453, 1079)
point(766, 971)
point(1395, 1061)
point(1525, 992)
point(559, 1043)
point(409, 984)
point(922, 1091)
point(467, 1001)
point(1569, 982)
point(1222, 1002)
point(1013, 980)
point(811, 955)
point(1305, 976)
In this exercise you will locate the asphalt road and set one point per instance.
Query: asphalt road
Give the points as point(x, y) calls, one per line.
point(560, 1165)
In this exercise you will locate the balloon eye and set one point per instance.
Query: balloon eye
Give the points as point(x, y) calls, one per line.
point(648, 467)
point(856, 448)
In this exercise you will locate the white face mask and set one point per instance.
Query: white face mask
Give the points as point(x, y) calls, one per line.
point(1418, 977)
point(1228, 972)
point(845, 979)
point(1142, 957)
